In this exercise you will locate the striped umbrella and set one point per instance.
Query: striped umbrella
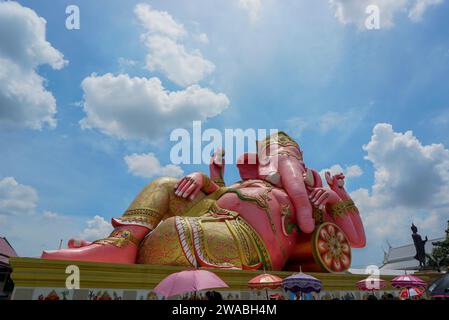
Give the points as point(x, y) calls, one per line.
point(371, 284)
point(302, 283)
point(265, 281)
point(408, 281)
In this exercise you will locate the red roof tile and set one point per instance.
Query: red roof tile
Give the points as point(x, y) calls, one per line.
point(6, 251)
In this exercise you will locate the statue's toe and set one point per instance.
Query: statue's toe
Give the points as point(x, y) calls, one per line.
point(47, 253)
point(96, 253)
point(77, 243)
point(54, 254)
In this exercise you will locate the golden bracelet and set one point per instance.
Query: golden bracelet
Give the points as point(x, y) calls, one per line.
point(206, 183)
point(341, 208)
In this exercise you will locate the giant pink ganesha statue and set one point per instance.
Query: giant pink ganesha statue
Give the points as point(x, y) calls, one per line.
point(279, 217)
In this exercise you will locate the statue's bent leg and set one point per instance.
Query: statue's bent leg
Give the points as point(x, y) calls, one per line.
point(150, 206)
point(211, 240)
point(162, 246)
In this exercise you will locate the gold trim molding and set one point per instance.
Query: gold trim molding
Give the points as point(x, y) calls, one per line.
point(41, 273)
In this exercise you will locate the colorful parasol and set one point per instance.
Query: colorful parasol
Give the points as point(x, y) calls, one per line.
point(408, 281)
point(440, 287)
point(188, 281)
point(265, 281)
point(371, 284)
point(302, 283)
point(276, 296)
point(411, 293)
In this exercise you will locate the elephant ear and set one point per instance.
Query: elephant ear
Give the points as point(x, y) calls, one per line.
point(329, 178)
point(312, 178)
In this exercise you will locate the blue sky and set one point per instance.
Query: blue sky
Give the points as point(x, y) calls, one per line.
point(311, 70)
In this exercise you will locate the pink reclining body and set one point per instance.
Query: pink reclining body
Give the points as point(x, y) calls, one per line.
point(276, 197)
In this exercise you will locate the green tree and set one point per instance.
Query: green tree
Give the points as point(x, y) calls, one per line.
point(439, 258)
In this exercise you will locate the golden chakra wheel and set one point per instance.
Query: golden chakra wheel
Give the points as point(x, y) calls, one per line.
point(325, 250)
point(332, 250)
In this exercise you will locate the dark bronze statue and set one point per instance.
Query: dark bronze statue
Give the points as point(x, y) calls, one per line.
point(420, 245)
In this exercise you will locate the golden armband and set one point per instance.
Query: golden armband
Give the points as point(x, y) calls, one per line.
point(219, 182)
point(207, 184)
point(342, 208)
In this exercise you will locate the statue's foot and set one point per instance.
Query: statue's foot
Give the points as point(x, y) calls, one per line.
point(95, 252)
point(120, 247)
point(77, 243)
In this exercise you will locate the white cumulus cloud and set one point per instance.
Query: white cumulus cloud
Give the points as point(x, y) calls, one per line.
point(31, 231)
point(411, 184)
point(97, 228)
point(410, 173)
point(354, 11)
point(141, 108)
point(24, 100)
point(326, 122)
point(201, 38)
point(420, 6)
point(172, 59)
point(16, 198)
point(51, 215)
point(159, 22)
point(351, 171)
point(147, 165)
point(166, 53)
point(252, 7)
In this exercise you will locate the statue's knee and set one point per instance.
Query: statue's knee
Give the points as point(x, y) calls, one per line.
point(163, 233)
point(162, 246)
point(164, 182)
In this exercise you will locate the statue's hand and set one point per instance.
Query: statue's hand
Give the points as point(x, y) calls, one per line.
point(320, 197)
point(190, 185)
point(334, 181)
point(218, 157)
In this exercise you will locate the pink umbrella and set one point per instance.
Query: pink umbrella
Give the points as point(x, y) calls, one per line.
point(408, 281)
point(371, 284)
point(188, 281)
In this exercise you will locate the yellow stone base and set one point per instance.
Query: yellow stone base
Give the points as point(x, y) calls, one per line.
point(29, 273)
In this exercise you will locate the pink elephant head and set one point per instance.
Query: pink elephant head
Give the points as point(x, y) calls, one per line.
point(279, 161)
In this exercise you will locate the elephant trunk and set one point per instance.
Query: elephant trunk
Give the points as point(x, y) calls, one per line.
point(291, 171)
point(280, 163)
